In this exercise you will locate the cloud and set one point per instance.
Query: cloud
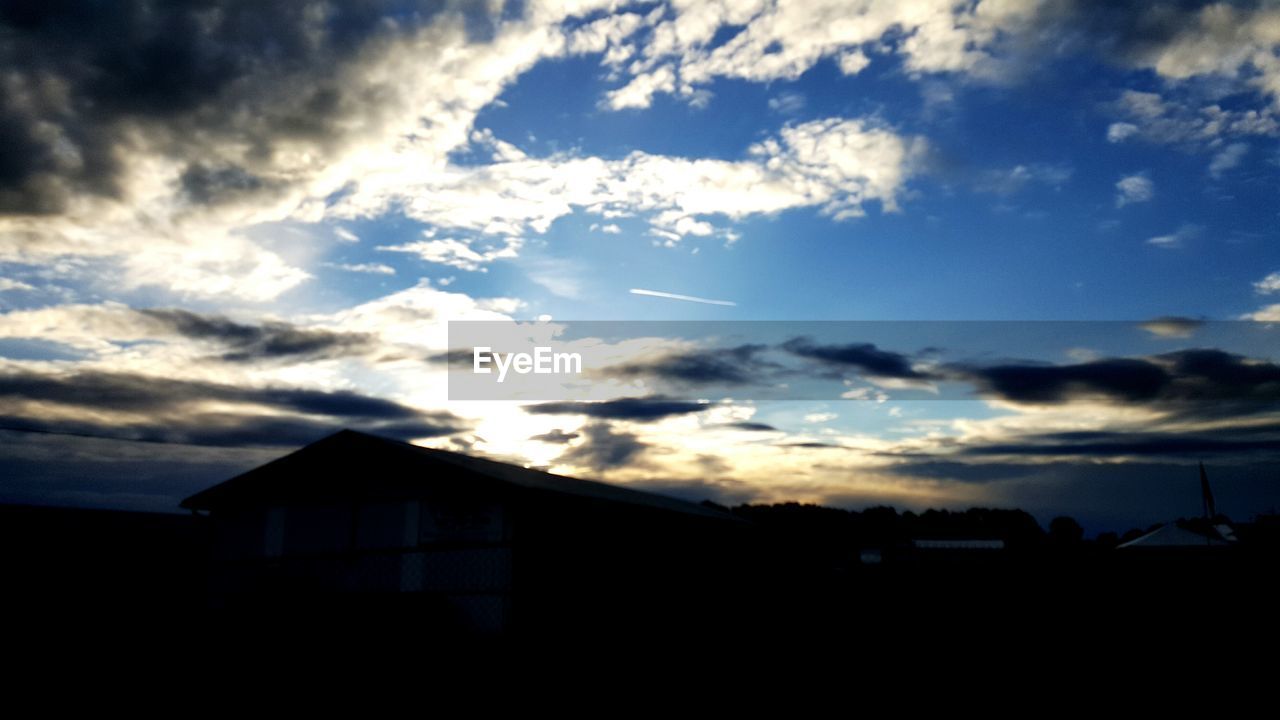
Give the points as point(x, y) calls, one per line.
point(458, 253)
point(865, 357)
point(1172, 327)
point(9, 284)
point(790, 103)
point(730, 366)
point(1125, 444)
point(107, 328)
point(556, 437)
point(752, 426)
point(271, 340)
point(141, 407)
point(367, 268)
point(153, 137)
point(405, 324)
point(603, 449)
point(638, 93)
point(640, 409)
point(606, 34)
point(1216, 40)
point(1121, 131)
point(1175, 239)
point(1134, 189)
point(1269, 284)
point(836, 165)
point(1119, 379)
point(1015, 179)
point(1198, 382)
point(1228, 158)
point(1179, 121)
point(766, 41)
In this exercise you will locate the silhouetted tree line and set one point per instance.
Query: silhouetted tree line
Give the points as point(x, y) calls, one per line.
point(814, 526)
point(817, 525)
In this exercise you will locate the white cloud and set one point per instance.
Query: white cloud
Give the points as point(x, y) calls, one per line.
point(1121, 131)
point(1228, 158)
point(787, 103)
point(853, 62)
point(780, 40)
point(640, 91)
point(1175, 239)
point(7, 284)
point(606, 33)
point(458, 253)
point(1134, 189)
point(836, 165)
point(369, 268)
point(1153, 118)
point(1269, 284)
point(345, 235)
point(1270, 313)
point(1013, 180)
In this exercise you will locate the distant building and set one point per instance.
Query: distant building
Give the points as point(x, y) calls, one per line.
point(1175, 535)
point(469, 543)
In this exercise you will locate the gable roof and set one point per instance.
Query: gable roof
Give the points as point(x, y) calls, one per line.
point(353, 463)
point(1172, 535)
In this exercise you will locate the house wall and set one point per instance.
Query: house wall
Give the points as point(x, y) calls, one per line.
point(453, 553)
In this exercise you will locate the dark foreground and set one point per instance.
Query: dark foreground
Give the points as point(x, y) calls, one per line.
point(80, 581)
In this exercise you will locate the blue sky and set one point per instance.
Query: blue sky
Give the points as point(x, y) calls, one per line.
point(253, 201)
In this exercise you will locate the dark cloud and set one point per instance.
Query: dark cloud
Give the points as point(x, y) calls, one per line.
point(725, 491)
point(1211, 375)
point(205, 185)
point(1121, 32)
point(1198, 382)
point(972, 472)
point(641, 409)
point(269, 341)
point(556, 437)
point(863, 357)
point(86, 84)
point(1119, 379)
point(165, 410)
point(459, 358)
point(728, 366)
point(1229, 442)
point(604, 449)
point(752, 426)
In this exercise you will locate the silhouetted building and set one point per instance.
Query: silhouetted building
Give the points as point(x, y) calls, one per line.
point(1174, 535)
point(464, 542)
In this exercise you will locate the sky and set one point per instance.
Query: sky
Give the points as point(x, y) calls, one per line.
point(229, 228)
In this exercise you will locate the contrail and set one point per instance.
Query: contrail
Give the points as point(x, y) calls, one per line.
point(686, 298)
